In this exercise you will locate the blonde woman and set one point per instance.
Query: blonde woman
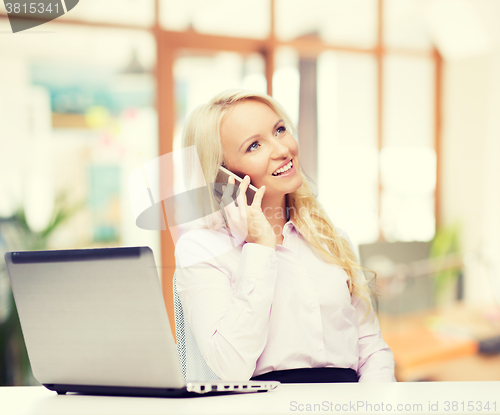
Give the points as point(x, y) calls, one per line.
point(273, 291)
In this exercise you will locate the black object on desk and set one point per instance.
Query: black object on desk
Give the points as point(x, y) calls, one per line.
point(490, 346)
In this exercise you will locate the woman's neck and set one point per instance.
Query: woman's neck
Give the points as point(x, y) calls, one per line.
point(275, 212)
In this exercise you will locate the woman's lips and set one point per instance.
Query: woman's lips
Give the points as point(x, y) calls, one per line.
point(284, 164)
point(288, 173)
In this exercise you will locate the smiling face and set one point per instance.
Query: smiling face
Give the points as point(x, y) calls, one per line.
point(256, 142)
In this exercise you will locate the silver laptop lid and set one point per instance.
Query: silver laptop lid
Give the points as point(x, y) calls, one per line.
point(94, 317)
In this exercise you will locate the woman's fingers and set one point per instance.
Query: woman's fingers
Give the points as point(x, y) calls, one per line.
point(234, 213)
point(246, 223)
point(242, 197)
point(259, 194)
point(260, 230)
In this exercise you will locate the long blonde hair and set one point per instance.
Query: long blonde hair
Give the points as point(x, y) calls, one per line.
point(202, 129)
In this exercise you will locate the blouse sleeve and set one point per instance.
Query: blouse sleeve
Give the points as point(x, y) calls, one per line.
point(376, 361)
point(228, 314)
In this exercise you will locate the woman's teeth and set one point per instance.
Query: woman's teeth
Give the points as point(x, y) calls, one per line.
point(283, 169)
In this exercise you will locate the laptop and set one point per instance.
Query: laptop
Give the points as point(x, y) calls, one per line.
point(94, 321)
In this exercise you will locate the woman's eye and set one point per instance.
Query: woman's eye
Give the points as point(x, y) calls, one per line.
point(253, 146)
point(281, 130)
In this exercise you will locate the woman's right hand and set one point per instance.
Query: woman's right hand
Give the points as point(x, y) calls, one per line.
point(247, 222)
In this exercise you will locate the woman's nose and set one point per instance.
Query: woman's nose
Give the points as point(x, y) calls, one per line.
point(280, 150)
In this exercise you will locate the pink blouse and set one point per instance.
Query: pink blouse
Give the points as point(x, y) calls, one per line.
point(253, 309)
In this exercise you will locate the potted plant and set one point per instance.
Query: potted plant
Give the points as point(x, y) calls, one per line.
point(446, 242)
point(15, 234)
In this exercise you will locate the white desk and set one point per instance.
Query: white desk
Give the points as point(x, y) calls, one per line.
point(285, 399)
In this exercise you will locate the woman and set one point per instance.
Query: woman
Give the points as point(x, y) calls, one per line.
point(277, 294)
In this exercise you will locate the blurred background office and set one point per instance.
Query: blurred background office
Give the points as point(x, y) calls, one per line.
point(396, 103)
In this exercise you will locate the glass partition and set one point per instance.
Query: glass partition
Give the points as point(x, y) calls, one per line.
point(347, 23)
point(408, 101)
point(242, 18)
point(130, 12)
point(347, 147)
point(408, 157)
point(405, 24)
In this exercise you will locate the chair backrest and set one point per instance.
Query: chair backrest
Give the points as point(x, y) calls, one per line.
point(192, 362)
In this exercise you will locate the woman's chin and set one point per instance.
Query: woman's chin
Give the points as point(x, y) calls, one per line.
point(291, 189)
point(299, 184)
point(285, 188)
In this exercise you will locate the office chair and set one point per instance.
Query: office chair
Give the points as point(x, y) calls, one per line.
point(192, 362)
point(416, 293)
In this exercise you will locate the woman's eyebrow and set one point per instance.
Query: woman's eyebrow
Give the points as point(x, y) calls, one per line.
point(257, 135)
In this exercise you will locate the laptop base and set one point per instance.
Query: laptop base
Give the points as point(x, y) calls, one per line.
point(120, 391)
point(132, 391)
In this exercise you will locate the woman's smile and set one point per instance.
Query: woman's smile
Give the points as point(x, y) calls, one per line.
point(287, 170)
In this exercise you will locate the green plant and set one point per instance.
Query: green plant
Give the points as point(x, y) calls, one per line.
point(445, 242)
point(15, 234)
point(34, 241)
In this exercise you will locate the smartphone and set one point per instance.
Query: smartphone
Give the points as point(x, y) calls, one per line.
point(222, 178)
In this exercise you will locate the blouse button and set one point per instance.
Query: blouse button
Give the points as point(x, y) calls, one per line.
point(313, 305)
point(320, 347)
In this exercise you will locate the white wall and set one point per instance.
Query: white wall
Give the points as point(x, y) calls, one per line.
point(470, 151)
